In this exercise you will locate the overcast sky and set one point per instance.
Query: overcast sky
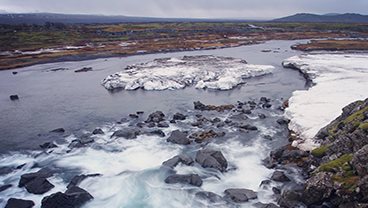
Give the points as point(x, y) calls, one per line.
point(251, 9)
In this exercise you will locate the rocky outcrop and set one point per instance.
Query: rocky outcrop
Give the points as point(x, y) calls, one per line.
point(126, 134)
point(208, 158)
point(336, 171)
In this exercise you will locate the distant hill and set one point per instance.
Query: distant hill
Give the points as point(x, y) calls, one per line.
point(42, 18)
point(331, 17)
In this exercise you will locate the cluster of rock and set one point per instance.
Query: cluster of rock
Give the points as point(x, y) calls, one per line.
point(336, 173)
point(37, 183)
point(206, 129)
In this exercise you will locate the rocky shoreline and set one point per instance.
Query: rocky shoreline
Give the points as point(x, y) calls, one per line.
point(335, 173)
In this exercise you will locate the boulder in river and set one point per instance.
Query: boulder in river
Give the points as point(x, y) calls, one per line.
point(279, 176)
point(182, 158)
point(98, 131)
point(126, 133)
point(39, 185)
point(178, 137)
point(179, 116)
point(4, 187)
point(209, 197)
point(156, 117)
point(163, 124)
point(19, 203)
point(14, 97)
point(48, 145)
point(84, 69)
point(202, 136)
point(28, 177)
point(74, 197)
point(239, 195)
point(58, 130)
point(209, 158)
point(191, 179)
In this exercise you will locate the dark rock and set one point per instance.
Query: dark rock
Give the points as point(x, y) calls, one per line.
point(5, 170)
point(283, 121)
point(140, 112)
point(14, 72)
point(126, 133)
point(162, 124)
point(265, 183)
point(247, 111)
point(39, 185)
point(290, 199)
point(200, 137)
point(179, 116)
point(240, 195)
point(360, 161)
point(209, 196)
point(216, 120)
point(264, 100)
point(248, 127)
point(48, 145)
point(84, 69)
point(26, 178)
point(220, 125)
point(266, 105)
point(58, 130)
point(14, 97)
point(133, 115)
point(211, 159)
point(318, 188)
point(276, 190)
point(140, 124)
point(19, 203)
point(76, 180)
point(4, 187)
point(74, 197)
point(156, 117)
point(156, 132)
point(183, 158)
point(178, 137)
point(279, 176)
point(192, 179)
point(262, 116)
point(363, 188)
point(172, 121)
point(151, 125)
point(98, 131)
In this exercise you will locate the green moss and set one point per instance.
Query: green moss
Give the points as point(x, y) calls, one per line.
point(348, 182)
point(364, 126)
point(357, 116)
point(320, 151)
point(339, 163)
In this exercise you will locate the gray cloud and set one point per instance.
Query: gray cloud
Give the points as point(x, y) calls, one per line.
point(188, 8)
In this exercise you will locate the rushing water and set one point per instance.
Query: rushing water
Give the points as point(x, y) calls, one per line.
point(131, 170)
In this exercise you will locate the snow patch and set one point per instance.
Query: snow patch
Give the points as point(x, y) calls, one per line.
point(203, 72)
point(338, 79)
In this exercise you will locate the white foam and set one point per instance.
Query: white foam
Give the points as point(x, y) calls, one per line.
point(339, 80)
point(201, 71)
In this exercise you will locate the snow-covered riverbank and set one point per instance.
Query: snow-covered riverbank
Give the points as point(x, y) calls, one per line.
point(338, 79)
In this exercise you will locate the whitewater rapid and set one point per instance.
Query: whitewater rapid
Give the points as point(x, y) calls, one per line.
point(337, 80)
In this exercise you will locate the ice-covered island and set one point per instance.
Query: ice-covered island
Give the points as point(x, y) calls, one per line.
point(206, 71)
point(337, 80)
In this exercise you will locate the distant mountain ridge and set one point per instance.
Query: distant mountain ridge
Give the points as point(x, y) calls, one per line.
point(42, 18)
point(331, 17)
